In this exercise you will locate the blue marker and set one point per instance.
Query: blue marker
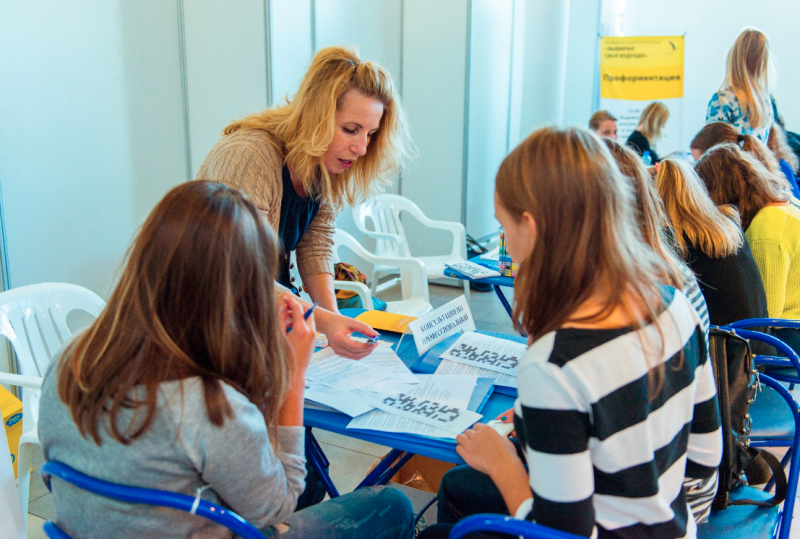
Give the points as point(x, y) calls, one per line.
point(374, 340)
point(305, 316)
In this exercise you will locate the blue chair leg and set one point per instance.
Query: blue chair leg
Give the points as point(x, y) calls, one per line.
point(320, 464)
point(53, 531)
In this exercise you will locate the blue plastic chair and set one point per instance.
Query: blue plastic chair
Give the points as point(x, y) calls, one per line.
point(486, 522)
point(145, 496)
point(745, 521)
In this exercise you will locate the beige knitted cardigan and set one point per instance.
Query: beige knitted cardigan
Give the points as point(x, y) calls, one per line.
point(247, 160)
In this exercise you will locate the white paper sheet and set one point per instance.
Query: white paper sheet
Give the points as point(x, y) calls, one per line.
point(486, 352)
point(452, 367)
point(328, 369)
point(385, 422)
point(440, 401)
point(346, 402)
point(494, 254)
point(386, 359)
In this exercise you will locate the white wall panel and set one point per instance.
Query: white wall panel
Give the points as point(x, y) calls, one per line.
point(435, 36)
point(489, 80)
point(226, 67)
point(292, 39)
point(90, 132)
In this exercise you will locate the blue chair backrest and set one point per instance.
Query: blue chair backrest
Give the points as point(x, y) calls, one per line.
point(146, 496)
point(509, 525)
point(792, 358)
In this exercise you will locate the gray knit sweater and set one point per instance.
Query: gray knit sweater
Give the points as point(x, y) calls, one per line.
point(181, 451)
point(249, 161)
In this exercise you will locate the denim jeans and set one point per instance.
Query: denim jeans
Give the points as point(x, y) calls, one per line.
point(367, 513)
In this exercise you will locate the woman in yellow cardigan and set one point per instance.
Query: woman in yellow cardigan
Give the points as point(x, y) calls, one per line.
point(771, 220)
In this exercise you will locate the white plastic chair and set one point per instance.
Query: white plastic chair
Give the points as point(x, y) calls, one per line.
point(384, 213)
point(414, 280)
point(34, 319)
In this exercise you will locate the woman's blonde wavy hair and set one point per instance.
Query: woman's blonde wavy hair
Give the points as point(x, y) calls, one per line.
point(746, 74)
point(303, 127)
point(695, 219)
point(653, 119)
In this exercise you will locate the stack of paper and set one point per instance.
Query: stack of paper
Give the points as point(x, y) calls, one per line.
point(484, 356)
point(472, 270)
point(494, 254)
point(437, 407)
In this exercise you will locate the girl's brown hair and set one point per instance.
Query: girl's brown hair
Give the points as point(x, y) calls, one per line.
point(695, 219)
point(195, 299)
point(653, 119)
point(304, 126)
point(746, 75)
point(649, 212)
point(780, 147)
point(722, 132)
point(736, 177)
point(580, 202)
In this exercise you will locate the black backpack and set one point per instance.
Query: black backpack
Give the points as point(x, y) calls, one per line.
point(737, 384)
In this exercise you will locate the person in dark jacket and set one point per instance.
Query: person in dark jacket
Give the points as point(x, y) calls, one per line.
point(652, 121)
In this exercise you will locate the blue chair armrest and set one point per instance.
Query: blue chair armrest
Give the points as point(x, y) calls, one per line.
point(765, 322)
point(148, 496)
point(504, 524)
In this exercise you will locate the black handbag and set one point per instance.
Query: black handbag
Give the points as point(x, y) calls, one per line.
point(737, 385)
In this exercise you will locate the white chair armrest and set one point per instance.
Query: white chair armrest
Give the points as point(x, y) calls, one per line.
point(396, 238)
point(359, 288)
point(31, 382)
point(457, 229)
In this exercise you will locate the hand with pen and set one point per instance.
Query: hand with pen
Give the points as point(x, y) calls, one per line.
point(300, 329)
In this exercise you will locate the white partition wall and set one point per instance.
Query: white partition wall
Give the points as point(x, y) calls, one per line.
point(489, 100)
point(292, 44)
point(226, 67)
point(91, 132)
point(435, 55)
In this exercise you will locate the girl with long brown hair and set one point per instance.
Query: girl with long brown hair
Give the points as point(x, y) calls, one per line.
point(721, 133)
point(712, 242)
point(743, 100)
point(617, 367)
point(191, 381)
point(335, 142)
point(771, 221)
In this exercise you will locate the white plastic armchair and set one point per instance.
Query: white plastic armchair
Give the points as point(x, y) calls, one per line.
point(34, 319)
point(384, 213)
point(414, 280)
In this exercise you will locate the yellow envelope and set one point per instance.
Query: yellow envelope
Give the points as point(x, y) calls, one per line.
point(386, 321)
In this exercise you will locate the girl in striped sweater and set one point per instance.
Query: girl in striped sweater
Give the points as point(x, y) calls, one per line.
point(617, 398)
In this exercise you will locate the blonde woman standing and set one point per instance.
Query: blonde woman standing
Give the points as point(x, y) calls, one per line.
point(743, 101)
point(333, 143)
point(711, 241)
point(653, 119)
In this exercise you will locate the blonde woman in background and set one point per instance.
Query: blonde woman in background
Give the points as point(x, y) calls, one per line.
point(333, 143)
point(604, 124)
point(743, 101)
point(711, 241)
point(652, 121)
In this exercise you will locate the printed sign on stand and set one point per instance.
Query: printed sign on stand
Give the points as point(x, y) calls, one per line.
point(449, 319)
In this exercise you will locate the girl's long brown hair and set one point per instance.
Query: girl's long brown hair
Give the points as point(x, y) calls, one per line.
point(568, 182)
point(649, 211)
point(195, 299)
point(733, 176)
point(303, 126)
point(695, 219)
point(714, 133)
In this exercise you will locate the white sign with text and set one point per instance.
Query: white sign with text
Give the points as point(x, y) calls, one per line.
point(449, 319)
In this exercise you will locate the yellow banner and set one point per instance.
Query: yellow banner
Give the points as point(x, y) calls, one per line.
point(641, 68)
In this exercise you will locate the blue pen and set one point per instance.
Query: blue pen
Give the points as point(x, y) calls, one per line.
point(374, 340)
point(305, 316)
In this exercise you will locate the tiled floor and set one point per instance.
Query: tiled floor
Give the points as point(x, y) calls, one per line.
point(350, 459)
